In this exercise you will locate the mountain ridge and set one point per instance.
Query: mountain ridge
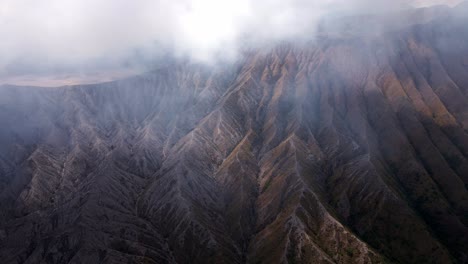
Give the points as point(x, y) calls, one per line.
point(332, 151)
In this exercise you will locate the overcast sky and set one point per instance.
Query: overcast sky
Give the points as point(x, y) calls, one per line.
point(64, 33)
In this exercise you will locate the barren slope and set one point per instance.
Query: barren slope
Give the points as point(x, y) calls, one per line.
point(341, 150)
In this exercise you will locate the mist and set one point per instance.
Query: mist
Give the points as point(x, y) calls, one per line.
point(108, 36)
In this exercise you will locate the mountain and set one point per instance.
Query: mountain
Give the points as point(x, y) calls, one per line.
point(352, 148)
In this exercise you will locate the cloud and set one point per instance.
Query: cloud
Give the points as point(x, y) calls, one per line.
point(70, 33)
point(424, 3)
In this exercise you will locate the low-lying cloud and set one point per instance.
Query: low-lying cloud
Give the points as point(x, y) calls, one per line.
point(60, 34)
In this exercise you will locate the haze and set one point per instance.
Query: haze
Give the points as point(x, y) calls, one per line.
point(116, 38)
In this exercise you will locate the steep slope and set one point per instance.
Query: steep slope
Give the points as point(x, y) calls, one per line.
point(342, 150)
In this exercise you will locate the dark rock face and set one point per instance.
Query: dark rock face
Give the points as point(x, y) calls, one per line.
point(344, 150)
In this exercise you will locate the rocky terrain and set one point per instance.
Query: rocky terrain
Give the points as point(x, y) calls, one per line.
point(349, 148)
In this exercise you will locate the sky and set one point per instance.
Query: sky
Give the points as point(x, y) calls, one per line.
point(63, 35)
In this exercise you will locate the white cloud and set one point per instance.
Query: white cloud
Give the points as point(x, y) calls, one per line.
point(49, 32)
point(423, 3)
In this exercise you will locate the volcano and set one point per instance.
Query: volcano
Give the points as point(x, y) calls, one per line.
point(349, 148)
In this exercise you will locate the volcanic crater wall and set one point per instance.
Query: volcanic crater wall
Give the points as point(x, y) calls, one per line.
point(341, 150)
